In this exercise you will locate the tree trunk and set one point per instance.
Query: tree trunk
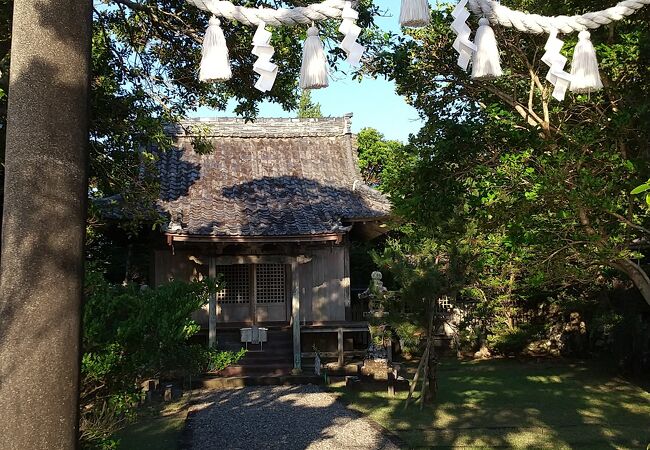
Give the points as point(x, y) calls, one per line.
point(431, 363)
point(41, 276)
point(636, 273)
point(432, 375)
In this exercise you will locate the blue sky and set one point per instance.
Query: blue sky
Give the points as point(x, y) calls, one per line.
point(372, 102)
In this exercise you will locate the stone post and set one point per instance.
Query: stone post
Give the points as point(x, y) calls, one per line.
point(41, 274)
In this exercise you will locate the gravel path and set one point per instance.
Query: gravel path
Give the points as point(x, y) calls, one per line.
point(279, 417)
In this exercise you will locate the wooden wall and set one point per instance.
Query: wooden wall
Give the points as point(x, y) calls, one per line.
point(324, 280)
point(325, 285)
point(178, 266)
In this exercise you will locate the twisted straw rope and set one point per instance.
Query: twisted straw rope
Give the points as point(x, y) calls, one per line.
point(495, 12)
point(329, 9)
point(536, 24)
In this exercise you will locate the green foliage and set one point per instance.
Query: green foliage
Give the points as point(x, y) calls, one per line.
point(507, 196)
point(220, 360)
point(643, 188)
point(511, 341)
point(306, 108)
point(150, 327)
point(378, 157)
point(410, 337)
point(132, 334)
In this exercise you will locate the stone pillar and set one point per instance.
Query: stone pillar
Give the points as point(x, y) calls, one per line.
point(43, 226)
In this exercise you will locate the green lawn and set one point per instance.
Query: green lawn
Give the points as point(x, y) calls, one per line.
point(158, 427)
point(512, 404)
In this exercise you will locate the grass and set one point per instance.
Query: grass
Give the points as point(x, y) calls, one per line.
point(158, 427)
point(513, 404)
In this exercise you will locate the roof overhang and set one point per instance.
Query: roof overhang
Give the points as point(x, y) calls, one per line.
point(371, 228)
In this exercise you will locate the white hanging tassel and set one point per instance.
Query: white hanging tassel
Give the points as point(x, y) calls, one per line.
point(584, 67)
point(486, 62)
point(414, 13)
point(215, 65)
point(314, 70)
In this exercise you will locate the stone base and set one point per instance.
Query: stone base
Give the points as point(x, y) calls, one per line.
point(375, 368)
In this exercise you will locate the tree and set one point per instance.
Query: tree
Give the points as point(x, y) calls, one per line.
point(541, 186)
point(376, 155)
point(132, 335)
point(306, 108)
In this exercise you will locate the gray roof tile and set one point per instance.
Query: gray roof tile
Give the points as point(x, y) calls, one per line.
point(274, 177)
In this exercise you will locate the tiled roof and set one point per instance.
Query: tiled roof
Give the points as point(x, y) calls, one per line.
point(274, 177)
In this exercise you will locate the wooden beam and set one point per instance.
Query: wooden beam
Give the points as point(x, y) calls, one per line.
point(335, 237)
point(334, 329)
point(212, 308)
point(226, 260)
point(295, 315)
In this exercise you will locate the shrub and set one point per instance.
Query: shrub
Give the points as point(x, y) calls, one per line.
point(511, 341)
point(218, 360)
point(131, 334)
point(410, 336)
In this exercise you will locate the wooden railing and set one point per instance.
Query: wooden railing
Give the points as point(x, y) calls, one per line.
point(340, 354)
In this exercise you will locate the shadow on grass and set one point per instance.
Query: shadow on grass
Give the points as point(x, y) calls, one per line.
point(159, 433)
point(512, 404)
point(159, 426)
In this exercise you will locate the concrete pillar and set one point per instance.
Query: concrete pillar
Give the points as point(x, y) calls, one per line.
point(41, 274)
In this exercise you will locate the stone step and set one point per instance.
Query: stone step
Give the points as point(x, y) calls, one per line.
point(256, 370)
point(220, 382)
point(265, 357)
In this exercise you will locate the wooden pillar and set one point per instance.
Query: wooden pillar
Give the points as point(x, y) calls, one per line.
point(43, 226)
point(392, 379)
point(212, 307)
point(340, 347)
point(253, 292)
point(295, 316)
point(346, 283)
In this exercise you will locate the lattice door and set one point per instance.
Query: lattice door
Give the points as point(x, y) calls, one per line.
point(271, 292)
point(234, 301)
